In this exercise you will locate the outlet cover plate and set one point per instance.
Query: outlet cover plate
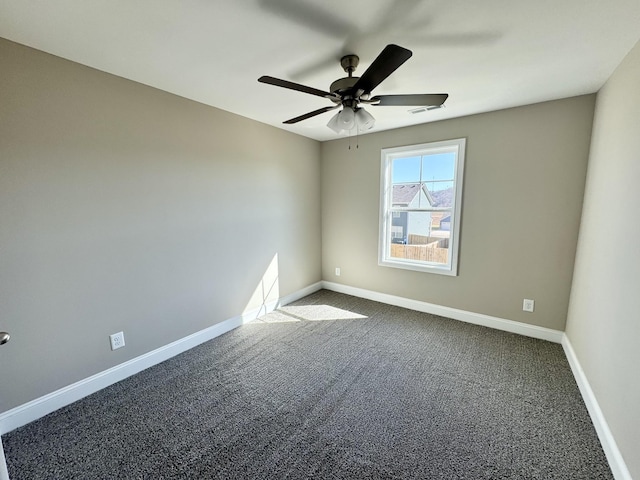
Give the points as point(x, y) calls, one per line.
point(527, 305)
point(117, 340)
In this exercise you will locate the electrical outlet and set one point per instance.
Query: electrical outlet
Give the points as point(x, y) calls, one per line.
point(527, 305)
point(117, 340)
point(337, 271)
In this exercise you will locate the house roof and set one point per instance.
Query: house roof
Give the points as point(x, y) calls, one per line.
point(404, 193)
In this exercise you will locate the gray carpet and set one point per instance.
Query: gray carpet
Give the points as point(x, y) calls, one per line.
point(330, 387)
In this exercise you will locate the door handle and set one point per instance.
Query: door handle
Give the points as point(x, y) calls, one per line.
point(4, 337)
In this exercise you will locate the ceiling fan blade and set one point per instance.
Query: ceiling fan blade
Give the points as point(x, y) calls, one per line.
point(295, 86)
point(384, 65)
point(310, 114)
point(418, 100)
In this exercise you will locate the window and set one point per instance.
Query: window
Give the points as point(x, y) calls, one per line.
point(420, 201)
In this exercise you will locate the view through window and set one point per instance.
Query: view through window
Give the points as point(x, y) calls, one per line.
point(420, 206)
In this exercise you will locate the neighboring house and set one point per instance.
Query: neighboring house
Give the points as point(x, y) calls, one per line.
point(445, 223)
point(403, 224)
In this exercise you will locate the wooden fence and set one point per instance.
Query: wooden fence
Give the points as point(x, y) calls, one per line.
point(426, 253)
point(424, 240)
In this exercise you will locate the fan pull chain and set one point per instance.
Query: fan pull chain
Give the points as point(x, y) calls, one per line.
point(357, 138)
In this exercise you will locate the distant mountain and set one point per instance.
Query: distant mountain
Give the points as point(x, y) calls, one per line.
point(442, 198)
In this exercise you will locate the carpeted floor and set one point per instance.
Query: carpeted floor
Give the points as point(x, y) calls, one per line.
point(330, 387)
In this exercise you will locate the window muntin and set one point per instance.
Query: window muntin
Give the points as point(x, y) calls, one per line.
point(421, 192)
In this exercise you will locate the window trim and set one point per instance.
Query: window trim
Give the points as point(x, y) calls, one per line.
point(386, 156)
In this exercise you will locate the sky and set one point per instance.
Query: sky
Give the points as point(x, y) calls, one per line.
point(434, 167)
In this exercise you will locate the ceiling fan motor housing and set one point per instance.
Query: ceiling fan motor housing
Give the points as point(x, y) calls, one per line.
point(343, 85)
point(349, 63)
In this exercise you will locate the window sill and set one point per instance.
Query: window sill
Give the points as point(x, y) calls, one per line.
point(426, 268)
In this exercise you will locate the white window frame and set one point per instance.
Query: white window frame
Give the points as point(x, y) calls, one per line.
point(387, 155)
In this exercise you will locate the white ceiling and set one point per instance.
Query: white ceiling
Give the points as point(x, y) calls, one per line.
point(487, 55)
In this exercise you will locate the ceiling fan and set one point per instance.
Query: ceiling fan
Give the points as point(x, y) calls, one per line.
point(349, 92)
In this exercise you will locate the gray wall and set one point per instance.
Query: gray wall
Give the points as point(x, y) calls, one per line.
point(126, 208)
point(524, 182)
point(604, 320)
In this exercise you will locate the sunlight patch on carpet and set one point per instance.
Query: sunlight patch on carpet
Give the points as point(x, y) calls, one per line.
point(310, 313)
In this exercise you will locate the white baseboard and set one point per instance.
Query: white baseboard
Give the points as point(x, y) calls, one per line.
point(462, 315)
point(609, 445)
point(30, 411)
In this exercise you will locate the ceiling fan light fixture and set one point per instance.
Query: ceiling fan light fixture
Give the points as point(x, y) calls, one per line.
point(334, 124)
point(345, 119)
point(364, 120)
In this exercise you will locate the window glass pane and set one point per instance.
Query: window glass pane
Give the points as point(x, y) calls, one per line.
point(405, 170)
point(437, 174)
point(420, 236)
point(409, 195)
point(438, 166)
point(441, 193)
